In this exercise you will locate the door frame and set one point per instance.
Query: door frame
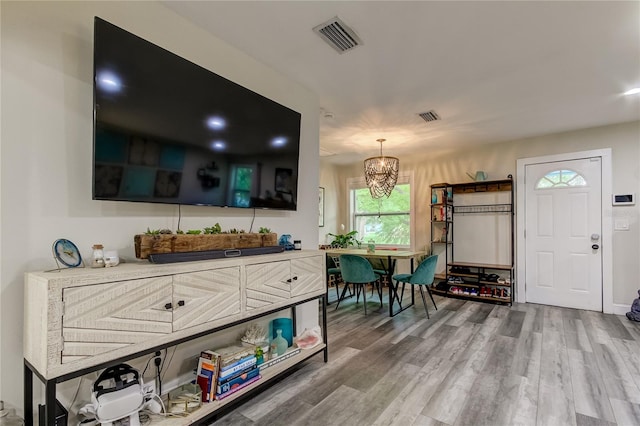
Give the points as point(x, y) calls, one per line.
point(606, 217)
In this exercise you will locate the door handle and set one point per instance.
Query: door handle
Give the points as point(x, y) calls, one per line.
point(168, 306)
point(595, 247)
point(180, 302)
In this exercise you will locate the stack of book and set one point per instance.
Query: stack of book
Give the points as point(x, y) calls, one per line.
point(234, 367)
point(207, 374)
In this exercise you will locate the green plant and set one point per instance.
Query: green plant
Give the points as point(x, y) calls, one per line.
point(194, 232)
point(235, 231)
point(264, 230)
point(179, 232)
point(345, 240)
point(154, 232)
point(215, 229)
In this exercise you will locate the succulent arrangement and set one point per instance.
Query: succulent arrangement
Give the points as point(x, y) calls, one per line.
point(210, 230)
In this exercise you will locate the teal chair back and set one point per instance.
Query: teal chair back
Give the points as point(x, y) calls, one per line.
point(356, 269)
point(426, 271)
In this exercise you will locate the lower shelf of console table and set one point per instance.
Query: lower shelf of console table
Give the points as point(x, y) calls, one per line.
point(210, 409)
point(60, 310)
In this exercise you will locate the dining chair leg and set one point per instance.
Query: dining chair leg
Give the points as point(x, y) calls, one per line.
point(402, 293)
point(337, 289)
point(364, 297)
point(344, 290)
point(424, 301)
point(431, 296)
point(380, 292)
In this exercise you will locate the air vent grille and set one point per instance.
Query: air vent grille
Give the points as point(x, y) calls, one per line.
point(338, 35)
point(429, 116)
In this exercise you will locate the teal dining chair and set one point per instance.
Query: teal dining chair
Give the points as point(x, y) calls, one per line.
point(334, 273)
point(357, 271)
point(424, 275)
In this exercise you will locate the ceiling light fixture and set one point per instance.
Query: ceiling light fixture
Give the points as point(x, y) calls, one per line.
point(633, 91)
point(381, 174)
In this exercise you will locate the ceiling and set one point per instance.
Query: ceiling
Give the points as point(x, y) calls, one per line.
point(492, 71)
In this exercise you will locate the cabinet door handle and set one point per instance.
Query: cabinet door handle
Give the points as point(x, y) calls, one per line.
point(289, 280)
point(295, 278)
point(168, 306)
point(180, 302)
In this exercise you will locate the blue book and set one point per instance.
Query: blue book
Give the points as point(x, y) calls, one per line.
point(236, 374)
point(237, 381)
point(238, 367)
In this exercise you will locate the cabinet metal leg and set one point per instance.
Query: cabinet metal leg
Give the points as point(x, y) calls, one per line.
point(324, 328)
point(28, 395)
point(50, 403)
point(294, 325)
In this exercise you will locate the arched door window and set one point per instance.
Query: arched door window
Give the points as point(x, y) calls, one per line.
point(561, 179)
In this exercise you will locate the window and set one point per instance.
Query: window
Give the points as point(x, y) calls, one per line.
point(241, 191)
point(387, 221)
point(559, 179)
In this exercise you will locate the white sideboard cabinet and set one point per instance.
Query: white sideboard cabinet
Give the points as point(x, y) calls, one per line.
point(82, 320)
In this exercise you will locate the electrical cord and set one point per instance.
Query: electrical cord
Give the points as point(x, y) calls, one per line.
point(164, 371)
point(157, 360)
point(147, 366)
point(254, 218)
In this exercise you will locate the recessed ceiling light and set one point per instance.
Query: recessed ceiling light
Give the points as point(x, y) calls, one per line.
point(216, 123)
point(278, 142)
point(633, 91)
point(109, 81)
point(218, 145)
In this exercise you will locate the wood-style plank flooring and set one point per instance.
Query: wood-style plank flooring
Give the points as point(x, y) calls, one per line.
point(471, 363)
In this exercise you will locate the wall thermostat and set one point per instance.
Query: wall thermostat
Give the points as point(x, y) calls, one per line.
point(624, 199)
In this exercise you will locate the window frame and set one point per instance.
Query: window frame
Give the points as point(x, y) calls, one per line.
point(360, 183)
point(562, 184)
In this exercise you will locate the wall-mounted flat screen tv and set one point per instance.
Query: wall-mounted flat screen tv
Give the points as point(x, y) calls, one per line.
point(169, 131)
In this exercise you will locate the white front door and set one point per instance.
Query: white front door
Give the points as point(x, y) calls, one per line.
point(563, 233)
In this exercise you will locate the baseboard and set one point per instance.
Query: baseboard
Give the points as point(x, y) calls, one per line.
point(619, 309)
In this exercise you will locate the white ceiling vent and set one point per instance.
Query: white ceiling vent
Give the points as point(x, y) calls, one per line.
point(429, 116)
point(338, 35)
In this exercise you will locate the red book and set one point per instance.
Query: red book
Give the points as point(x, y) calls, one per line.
point(205, 385)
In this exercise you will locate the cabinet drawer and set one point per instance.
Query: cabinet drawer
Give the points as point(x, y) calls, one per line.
point(201, 297)
point(103, 317)
point(267, 284)
point(307, 275)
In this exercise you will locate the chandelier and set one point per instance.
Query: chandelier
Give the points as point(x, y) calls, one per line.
point(381, 174)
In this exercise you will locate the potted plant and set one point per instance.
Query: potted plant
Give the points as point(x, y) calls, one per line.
point(345, 240)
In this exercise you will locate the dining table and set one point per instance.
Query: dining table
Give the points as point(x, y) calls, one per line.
point(391, 256)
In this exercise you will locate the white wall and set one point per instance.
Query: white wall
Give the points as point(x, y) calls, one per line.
point(499, 160)
point(332, 187)
point(46, 146)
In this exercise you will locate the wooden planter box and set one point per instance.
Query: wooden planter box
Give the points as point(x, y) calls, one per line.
point(182, 243)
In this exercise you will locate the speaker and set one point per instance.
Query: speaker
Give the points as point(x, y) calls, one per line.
point(212, 254)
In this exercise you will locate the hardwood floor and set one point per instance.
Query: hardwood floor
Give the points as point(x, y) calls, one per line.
point(472, 363)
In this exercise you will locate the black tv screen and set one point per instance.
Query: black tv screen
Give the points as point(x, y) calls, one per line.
point(169, 131)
